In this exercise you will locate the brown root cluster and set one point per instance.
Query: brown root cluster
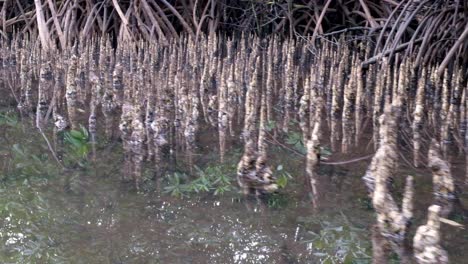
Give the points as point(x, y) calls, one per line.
point(438, 27)
point(427, 240)
point(156, 97)
point(393, 223)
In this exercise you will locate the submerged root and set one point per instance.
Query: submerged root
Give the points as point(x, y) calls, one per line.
point(313, 149)
point(266, 84)
point(426, 242)
point(313, 159)
point(253, 174)
point(137, 150)
point(392, 222)
point(443, 184)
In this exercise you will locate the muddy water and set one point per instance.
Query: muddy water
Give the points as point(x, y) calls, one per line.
point(89, 216)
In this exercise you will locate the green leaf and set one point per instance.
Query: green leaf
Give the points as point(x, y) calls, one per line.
point(300, 147)
point(325, 151)
point(270, 126)
point(282, 181)
point(290, 141)
point(76, 134)
point(71, 140)
point(84, 132)
point(221, 190)
point(18, 151)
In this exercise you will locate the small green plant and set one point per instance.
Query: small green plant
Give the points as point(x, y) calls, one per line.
point(295, 139)
point(176, 187)
point(77, 147)
point(283, 177)
point(458, 217)
point(27, 164)
point(202, 184)
point(9, 119)
point(366, 203)
point(270, 125)
point(212, 179)
point(325, 152)
point(277, 200)
point(23, 156)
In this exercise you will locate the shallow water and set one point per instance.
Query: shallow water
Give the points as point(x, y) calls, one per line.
point(89, 216)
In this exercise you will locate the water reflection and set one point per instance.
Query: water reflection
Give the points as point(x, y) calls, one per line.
point(103, 224)
point(98, 220)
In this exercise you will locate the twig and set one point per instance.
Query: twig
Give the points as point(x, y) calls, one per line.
point(322, 162)
point(349, 29)
point(50, 147)
point(385, 53)
point(347, 161)
point(286, 147)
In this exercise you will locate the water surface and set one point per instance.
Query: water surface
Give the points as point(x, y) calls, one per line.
point(90, 216)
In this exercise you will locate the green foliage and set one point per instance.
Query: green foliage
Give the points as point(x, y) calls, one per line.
point(366, 203)
point(325, 152)
point(23, 153)
point(78, 141)
point(270, 125)
point(9, 119)
point(394, 258)
point(283, 177)
point(213, 179)
point(77, 147)
point(458, 216)
point(28, 164)
point(176, 187)
point(277, 200)
point(282, 181)
point(295, 139)
point(31, 158)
